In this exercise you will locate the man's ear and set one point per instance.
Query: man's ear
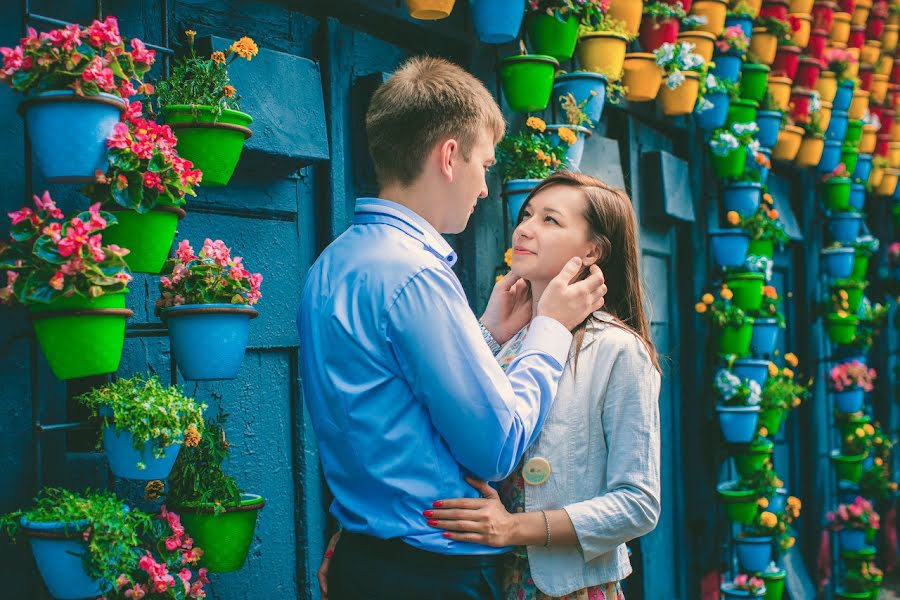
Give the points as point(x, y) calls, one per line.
point(447, 156)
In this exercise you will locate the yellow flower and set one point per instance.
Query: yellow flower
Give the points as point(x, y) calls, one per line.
point(767, 198)
point(726, 294)
point(733, 217)
point(191, 436)
point(778, 482)
point(245, 48)
point(869, 429)
point(787, 373)
point(796, 402)
point(228, 90)
point(567, 135)
point(768, 519)
point(763, 503)
point(860, 432)
point(218, 57)
point(536, 123)
point(763, 432)
point(190, 34)
point(790, 542)
point(708, 298)
point(842, 294)
point(773, 370)
point(772, 214)
point(700, 307)
point(791, 359)
point(542, 157)
point(507, 257)
point(794, 502)
point(878, 461)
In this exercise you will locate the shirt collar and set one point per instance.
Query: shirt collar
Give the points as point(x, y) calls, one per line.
point(379, 210)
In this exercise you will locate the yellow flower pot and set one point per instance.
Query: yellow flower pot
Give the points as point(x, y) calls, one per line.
point(895, 131)
point(825, 115)
point(868, 140)
point(894, 155)
point(681, 100)
point(801, 36)
point(885, 65)
point(780, 89)
point(889, 38)
point(879, 88)
point(888, 182)
point(602, 52)
point(875, 177)
point(840, 28)
point(753, 6)
point(869, 53)
point(629, 12)
point(430, 10)
point(763, 45)
point(859, 105)
point(704, 42)
point(810, 152)
point(893, 19)
point(642, 77)
point(714, 11)
point(802, 6)
point(827, 86)
point(788, 144)
point(853, 67)
point(861, 12)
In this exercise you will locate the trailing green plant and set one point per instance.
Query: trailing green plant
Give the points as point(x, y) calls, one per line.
point(595, 18)
point(778, 28)
point(722, 311)
point(661, 11)
point(768, 103)
point(876, 483)
point(765, 224)
point(812, 128)
point(529, 153)
point(784, 390)
point(742, 8)
point(562, 9)
point(575, 115)
point(771, 306)
point(726, 140)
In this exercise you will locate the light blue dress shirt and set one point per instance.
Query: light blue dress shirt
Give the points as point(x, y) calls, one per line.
point(404, 395)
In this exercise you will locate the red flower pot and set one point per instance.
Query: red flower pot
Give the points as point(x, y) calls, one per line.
point(686, 4)
point(865, 77)
point(857, 36)
point(818, 40)
point(883, 145)
point(887, 122)
point(846, 6)
point(823, 15)
point(800, 104)
point(787, 59)
point(895, 73)
point(776, 9)
point(654, 34)
point(874, 27)
point(893, 93)
point(808, 73)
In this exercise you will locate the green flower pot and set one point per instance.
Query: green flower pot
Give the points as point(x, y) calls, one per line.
point(750, 459)
point(527, 81)
point(754, 80)
point(747, 288)
point(848, 468)
point(762, 248)
point(81, 337)
point(854, 291)
point(730, 165)
point(871, 532)
point(854, 134)
point(841, 329)
point(860, 269)
point(742, 111)
point(736, 339)
point(771, 419)
point(553, 37)
point(213, 145)
point(849, 156)
point(853, 560)
point(845, 595)
point(740, 505)
point(849, 424)
point(149, 236)
point(225, 538)
point(836, 194)
point(774, 584)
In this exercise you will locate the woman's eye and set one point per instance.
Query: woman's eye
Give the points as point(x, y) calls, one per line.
point(551, 220)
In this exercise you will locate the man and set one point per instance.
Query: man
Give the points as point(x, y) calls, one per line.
point(399, 378)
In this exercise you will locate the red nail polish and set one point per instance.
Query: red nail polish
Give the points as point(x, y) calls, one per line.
point(329, 553)
point(446, 534)
point(432, 522)
point(438, 504)
point(428, 513)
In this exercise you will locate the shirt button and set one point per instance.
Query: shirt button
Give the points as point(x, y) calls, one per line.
point(536, 471)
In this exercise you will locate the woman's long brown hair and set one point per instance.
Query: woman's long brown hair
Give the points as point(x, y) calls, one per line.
point(614, 228)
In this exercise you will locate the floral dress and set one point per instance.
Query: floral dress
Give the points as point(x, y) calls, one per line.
point(517, 581)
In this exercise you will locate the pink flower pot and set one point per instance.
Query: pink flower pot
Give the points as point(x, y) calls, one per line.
point(818, 40)
point(857, 36)
point(887, 122)
point(883, 146)
point(800, 104)
point(776, 9)
point(846, 6)
point(823, 15)
point(808, 72)
point(787, 59)
point(865, 77)
point(874, 27)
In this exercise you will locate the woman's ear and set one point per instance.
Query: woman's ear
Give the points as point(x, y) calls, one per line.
point(593, 256)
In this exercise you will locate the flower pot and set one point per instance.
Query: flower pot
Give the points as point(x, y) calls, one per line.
point(860, 267)
point(704, 42)
point(787, 59)
point(810, 153)
point(575, 151)
point(763, 45)
point(643, 77)
point(854, 293)
point(735, 339)
point(804, 29)
point(866, 73)
point(747, 288)
point(837, 262)
point(754, 79)
point(213, 145)
point(769, 123)
point(848, 595)
point(551, 37)
point(589, 88)
point(729, 246)
point(840, 28)
point(516, 191)
point(740, 505)
point(148, 236)
point(123, 458)
point(841, 330)
point(874, 27)
point(774, 584)
point(753, 163)
point(893, 154)
point(745, 23)
point(863, 166)
point(849, 400)
point(879, 88)
point(58, 549)
point(868, 140)
point(885, 67)
point(780, 89)
point(727, 67)
point(81, 337)
point(825, 115)
point(430, 10)
point(629, 12)
point(771, 419)
point(859, 105)
point(852, 70)
point(602, 52)
point(815, 47)
point(869, 53)
point(888, 183)
point(497, 21)
point(68, 133)
point(654, 32)
point(753, 369)
point(823, 15)
point(776, 9)
point(681, 100)
point(764, 338)
point(861, 12)
point(787, 148)
point(738, 423)
point(808, 71)
point(854, 134)
point(714, 115)
point(208, 340)
point(225, 538)
point(742, 111)
point(843, 95)
point(750, 459)
point(844, 227)
point(801, 6)
point(714, 11)
point(857, 195)
point(857, 36)
point(801, 104)
point(730, 165)
point(851, 540)
point(889, 38)
point(849, 157)
point(762, 248)
point(831, 156)
point(753, 553)
point(742, 197)
point(527, 81)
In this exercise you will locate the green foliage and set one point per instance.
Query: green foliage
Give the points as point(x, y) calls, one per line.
point(529, 154)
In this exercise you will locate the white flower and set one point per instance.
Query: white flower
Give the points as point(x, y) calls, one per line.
point(755, 393)
point(815, 102)
point(742, 128)
point(711, 82)
point(727, 383)
point(872, 119)
point(753, 147)
point(723, 143)
point(693, 60)
point(675, 80)
point(704, 106)
point(665, 54)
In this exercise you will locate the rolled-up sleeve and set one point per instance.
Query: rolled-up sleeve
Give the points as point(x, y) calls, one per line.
point(630, 421)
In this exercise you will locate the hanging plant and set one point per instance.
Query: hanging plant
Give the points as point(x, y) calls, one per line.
point(529, 154)
point(602, 41)
point(676, 59)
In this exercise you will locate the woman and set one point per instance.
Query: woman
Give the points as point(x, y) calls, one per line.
point(590, 481)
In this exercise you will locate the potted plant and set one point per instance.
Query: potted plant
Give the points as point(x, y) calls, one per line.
point(747, 287)
point(728, 149)
point(848, 462)
point(859, 104)
point(660, 24)
point(571, 138)
point(774, 578)
point(584, 90)
point(642, 77)
point(767, 31)
point(781, 394)
point(766, 229)
point(844, 226)
point(742, 13)
point(813, 144)
point(74, 81)
point(682, 69)
point(752, 457)
point(787, 59)
point(838, 260)
point(527, 81)
point(714, 12)
point(841, 326)
point(742, 194)
point(740, 500)
point(552, 27)
point(216, 513)
point(744, 586)
point(602, 40)
point(206, 301)
point(144, 185)
point(729, 245)
point(850, 521)
point(847, 294)
point(430, 10)
point(497, 21)
point(860, 13)
point(876, 21)
point(210, 128)
point(849, 383)
point(738, 406)
point(865, 247)
point(768, 120)
point(836, 189)
point(780, 89)
point(733, 325)
point(713, 99)
point(629, 12)
point(753, 545)
point(729, 53)
point(766, 325)
point(525, 158)
point(693, 31)
point(72, 284)
point(770, 308)
point(754, 78)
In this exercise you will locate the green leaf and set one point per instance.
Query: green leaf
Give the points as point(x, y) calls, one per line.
point(46, 249)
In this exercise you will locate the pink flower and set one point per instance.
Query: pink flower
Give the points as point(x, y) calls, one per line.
point(100, 74)
point(237, 271)
point(67, 38)
point(115, 250)
point(179, 272)
point(216, 250)
point(106, 32)
point(47, 204)
point(95, 244)
point(172, 544)
point(122, 580)
point(134, 111)
point(75, 238)
point(122, 277)
point(13, 60)
point(137, 592)
point(97, 221)
point(126, 89)
point(120, 138)
point(740, 580)
point(153, 181)
point(20, 215)
point(53, 230)
point(73, 266)
point(140, 53)
point(185, 253)
point(855, 510)
point(197, 590)
point(11, 277)
point(57, 281)
point(165, 282)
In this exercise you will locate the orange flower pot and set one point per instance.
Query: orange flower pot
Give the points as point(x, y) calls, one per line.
point(602, 52)
point(827, 86)
point(893, 155)
point(869, 53)
point(810, 152)
point(888, 182)
point(895, 131)
point(430, 10)
point(681, 100)
point(788, 145)
point(802, 6)
point(714, 11)
point(780, 89)
point(861, 12)
point(629, 12)
point(889, 38)
point(763, 45)
point(875, 177)
point(859, 105)
point(704, 42)
point(868, 140)
point(853, 67)
point(885, 65)
point(642, 77)
point(825, 115)
point(801, 36)
point(879, 88)
point(840, 28)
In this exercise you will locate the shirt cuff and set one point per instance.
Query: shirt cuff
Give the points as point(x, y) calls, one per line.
point(550, 337)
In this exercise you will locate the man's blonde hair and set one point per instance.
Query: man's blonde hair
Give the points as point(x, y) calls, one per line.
point(425, 101)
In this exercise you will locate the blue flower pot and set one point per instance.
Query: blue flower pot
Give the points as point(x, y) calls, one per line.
point(58, 559)
point(68, 133)
point(209, 340)
point(763, 171)
point(729, 246)
point(769, 123)
point(753, 369)
point(851, 540)
point(753, 553)
point(847, 492)
point(516, 191)
point(843, 97)
point(123, 458)
point(729, 592)
point(583, 86)
point(837, 126)
point(868, 463)
point(850, 400)
point(746, 24)
point(831, 156)
point(838, 262)
point(714, 116)
point(742, 197)
point(778, 501)
point(858, 194)
point(576, 150)
point(844, 227)
point(765, 337)
point(863, 168)
point(738, 423)
point(727, 66)
point(497, 21)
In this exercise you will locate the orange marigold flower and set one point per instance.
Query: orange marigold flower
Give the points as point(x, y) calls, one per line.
point(228, 90)
point(536, 123)
point(787, 373)
point(733, 217)
point(767, 198)
point(708, 298)
point(773, 369)
point(218, 57)
point(791, 359)
point(700, 308)
point(245, 48)
point(769, 291)
point(772, 214)
point(726, 294)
